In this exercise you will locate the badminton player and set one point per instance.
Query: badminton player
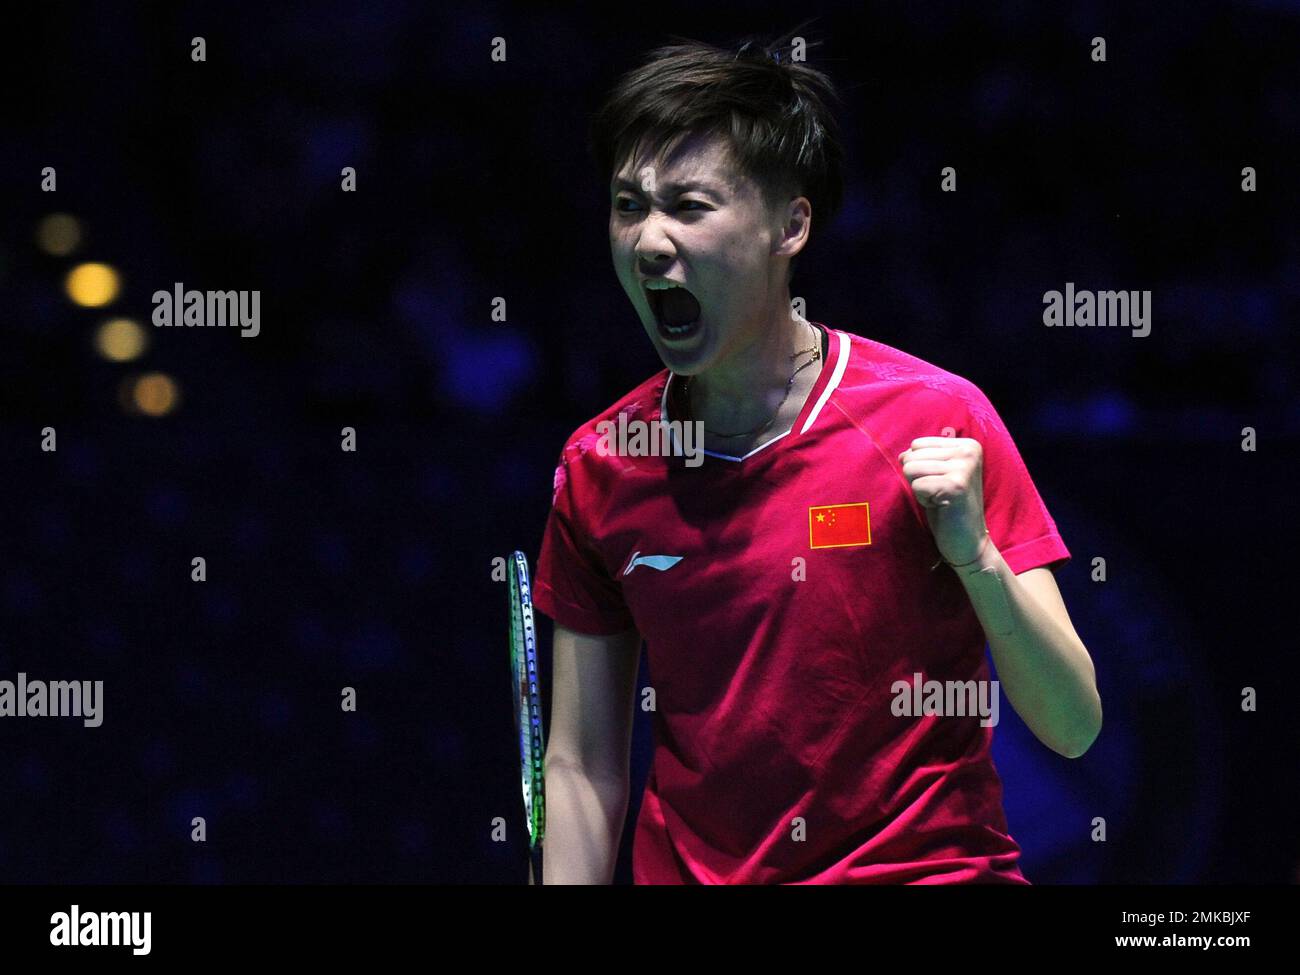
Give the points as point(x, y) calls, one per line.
point(860, 525)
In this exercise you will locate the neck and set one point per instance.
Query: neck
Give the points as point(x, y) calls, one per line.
point(748, 387)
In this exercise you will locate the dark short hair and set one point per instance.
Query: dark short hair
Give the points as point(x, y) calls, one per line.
point(775, 112)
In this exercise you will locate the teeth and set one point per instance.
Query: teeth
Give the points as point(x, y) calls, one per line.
point(662, 284)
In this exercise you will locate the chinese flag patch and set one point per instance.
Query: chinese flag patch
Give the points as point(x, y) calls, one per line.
point(837, 525)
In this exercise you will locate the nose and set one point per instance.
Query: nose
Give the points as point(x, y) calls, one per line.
point(653, 244)
point(654, 269)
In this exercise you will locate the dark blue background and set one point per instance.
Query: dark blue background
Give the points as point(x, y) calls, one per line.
point(328, 569)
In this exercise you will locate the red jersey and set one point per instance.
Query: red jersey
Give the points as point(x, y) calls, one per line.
point(775, 637)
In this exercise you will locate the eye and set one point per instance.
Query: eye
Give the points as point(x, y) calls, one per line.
point(625, 204)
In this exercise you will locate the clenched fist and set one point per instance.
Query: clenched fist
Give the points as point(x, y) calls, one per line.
point(947, 477)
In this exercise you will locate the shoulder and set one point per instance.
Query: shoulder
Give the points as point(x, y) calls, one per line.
point(880, 377)
point(579, 456)
point(641, 403)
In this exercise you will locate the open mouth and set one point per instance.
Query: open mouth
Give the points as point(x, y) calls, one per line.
point(676, 310)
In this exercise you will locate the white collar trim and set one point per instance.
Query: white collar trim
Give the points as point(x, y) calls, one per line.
point(841, 363)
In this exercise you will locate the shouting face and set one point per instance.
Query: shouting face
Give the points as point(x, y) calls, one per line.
point(699, 253)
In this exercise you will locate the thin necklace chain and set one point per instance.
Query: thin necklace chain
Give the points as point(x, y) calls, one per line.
point(816, 354)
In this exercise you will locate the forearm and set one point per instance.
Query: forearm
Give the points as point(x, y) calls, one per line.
point(584, 824)
point(1044, 669)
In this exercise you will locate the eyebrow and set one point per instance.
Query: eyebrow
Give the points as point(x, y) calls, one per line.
point(669, 187)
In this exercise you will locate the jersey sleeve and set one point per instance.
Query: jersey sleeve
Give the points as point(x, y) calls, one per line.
point(572, 584)
point(1018, 521)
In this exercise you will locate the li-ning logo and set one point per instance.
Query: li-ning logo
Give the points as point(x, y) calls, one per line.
point(660, 562)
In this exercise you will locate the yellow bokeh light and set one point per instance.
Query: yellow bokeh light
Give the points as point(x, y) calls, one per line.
point(155, 394)
point(92, 285)
point(58, 234)
point(120, 340)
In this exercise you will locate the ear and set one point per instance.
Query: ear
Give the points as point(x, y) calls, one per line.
point(794, 228)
